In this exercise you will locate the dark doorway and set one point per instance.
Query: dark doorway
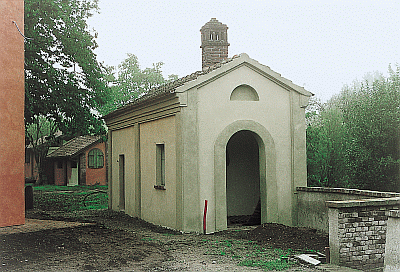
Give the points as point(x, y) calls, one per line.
point(121, 162)
point(242, 177)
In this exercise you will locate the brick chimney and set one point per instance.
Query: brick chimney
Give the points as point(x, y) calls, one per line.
point(214, 43)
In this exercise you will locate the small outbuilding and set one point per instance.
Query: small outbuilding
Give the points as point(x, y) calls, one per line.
point(80, 161)
point(232, 134)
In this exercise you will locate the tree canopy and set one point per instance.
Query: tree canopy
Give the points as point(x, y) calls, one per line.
point(41, 135)
point(66, 88)
point(128, 82)
point(63, 80)
point(353, 140)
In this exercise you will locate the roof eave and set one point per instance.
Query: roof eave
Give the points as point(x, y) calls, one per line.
point(132, 106)
point(237, 62)
point(203, 77)
point(75, 153)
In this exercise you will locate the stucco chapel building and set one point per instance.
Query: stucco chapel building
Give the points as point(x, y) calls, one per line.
point(231, 134)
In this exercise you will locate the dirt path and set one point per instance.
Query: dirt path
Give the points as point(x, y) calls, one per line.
point(117, 242)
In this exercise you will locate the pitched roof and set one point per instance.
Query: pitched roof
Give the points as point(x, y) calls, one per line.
point(172, 86)
point(74, 146)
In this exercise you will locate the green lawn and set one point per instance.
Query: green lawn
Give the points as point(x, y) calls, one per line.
point(70, 198)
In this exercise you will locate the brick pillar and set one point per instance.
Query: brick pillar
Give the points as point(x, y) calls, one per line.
point(214, 43)
point(357, 231)
point(334, 245)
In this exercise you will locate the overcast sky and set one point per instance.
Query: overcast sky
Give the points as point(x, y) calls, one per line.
point(320, 45)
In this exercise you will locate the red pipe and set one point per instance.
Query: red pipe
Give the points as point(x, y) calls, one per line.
point(204, 218)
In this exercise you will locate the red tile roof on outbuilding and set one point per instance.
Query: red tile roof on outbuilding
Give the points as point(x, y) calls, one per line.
point(74, 146)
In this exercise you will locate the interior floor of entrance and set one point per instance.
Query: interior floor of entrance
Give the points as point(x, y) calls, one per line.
point(247, 220)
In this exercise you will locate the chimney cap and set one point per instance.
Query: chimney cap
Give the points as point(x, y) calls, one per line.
point(214, 24)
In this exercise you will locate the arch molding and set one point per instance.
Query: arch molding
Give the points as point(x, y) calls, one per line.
point(267, 160)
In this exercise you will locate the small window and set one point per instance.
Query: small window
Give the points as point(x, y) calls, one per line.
point(244, 93)
point(27, 157)
point(160, 166)
point(95, 158)
point(59, 164)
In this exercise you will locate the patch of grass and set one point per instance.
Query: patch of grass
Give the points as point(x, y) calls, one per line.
point(249, 253)
point(277, 264)
point(70, 198)
point(268, 259)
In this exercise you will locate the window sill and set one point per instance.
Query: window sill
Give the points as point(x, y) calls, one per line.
point(159, 187)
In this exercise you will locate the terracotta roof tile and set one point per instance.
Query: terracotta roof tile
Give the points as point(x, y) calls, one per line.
point(173, 85)
point(74, 146)
point(170, 87)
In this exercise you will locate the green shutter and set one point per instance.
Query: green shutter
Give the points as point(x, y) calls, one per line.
point(95, 158)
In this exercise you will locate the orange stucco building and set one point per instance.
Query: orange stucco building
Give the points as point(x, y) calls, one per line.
point(12, 135)
point(80, 161)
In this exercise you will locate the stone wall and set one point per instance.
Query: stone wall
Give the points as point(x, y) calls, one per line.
point(357, 231)
point(311, 203)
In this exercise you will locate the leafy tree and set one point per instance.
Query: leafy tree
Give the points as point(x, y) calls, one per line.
point(353, 140)
point(64, 83)
point(325, 145)
point(63, 80)
point(316, 147)
point(372, 114)
point(40, 135)
point(129, 82)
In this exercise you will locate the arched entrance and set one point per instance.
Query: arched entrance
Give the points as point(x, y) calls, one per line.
point(267, 170)
point(242, 177)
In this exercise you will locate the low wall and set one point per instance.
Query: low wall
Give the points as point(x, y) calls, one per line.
point(357, 231)
point(311, 203)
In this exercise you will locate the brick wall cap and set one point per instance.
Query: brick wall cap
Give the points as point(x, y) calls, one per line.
point(363, 202)
point(348, 191)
